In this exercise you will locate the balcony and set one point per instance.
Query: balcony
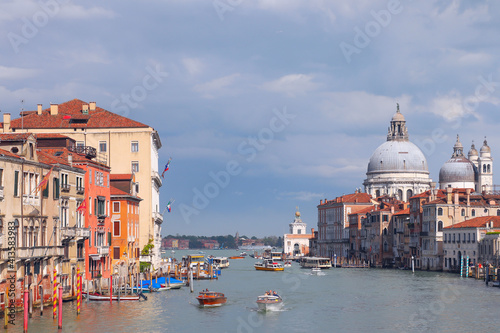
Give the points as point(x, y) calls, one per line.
point(65, 187)
point(1, 192)
point(156, 178)
point(103, 250)
point(131, 239)
point(80, 190)
point(101, 218)
point(39, 252)
point(75, 232)
point(145, 259)
point(89, 152)
point(157, 217)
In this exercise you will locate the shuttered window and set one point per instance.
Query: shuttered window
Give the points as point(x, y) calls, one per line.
point(16, 183)
point(116, 228)
point(116, 253)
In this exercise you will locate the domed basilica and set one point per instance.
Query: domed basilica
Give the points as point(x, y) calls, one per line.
point(397, 167)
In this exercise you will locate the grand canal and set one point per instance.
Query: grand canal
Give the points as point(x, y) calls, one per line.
point(340, 300)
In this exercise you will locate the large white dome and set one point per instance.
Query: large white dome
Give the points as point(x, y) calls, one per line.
point(397, 156)
point(458, 169)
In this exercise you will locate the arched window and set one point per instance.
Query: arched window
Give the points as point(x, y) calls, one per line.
point(409, 194)
point(463, 212)
point(440, 211)
point(377, 193)
point(484, 167)
point(386, 247)
point(400, 194)
point(498, 212)
point(385, 231)
point(489, 168)
point(473, 212)
point(440, 226)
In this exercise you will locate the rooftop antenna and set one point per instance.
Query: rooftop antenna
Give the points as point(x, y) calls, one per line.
point(22, 115)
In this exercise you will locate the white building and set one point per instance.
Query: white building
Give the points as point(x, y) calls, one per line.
point(296, 243)
point(397, 167)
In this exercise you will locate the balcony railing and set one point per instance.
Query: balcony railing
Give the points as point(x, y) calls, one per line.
point(65, 187)
point(39, 251)
point(156, 177)
point(89, 152)
point(1, 192)
point(75, 232)
point(103, 250)
point(80, 189)
point(157, 217)
point(131, 239)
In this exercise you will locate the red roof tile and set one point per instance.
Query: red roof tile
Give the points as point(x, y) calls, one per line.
point(403, 212)
point(14, 136)
point(8, 153)
point(121, 176)
point(72, 110)
point(478, 222)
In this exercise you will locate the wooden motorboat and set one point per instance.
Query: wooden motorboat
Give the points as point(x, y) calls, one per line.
point(268, 265)
point(208, 298)
point(270, 301)
point(315, 270)
point(236, 257)
point(100, 297)
point(287, 264)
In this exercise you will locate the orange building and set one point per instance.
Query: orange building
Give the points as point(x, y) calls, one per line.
point(125, 237)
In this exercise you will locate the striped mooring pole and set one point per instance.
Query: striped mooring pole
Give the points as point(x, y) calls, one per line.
point(54, 296)
point(78, 286)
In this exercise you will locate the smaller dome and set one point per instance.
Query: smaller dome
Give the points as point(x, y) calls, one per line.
point(398, 116)
point(473, 150)
point(485, 148)
point(457, 169)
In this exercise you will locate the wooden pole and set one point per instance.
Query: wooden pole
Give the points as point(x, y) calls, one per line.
point(78, 286)
point(26, 309)
point(111, 289)
point(59, 318)
point(191, 280)
point(119, 287)
point(54, 296)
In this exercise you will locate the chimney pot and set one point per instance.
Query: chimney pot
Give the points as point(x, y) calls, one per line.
point(54, 109)
point(39, 109)
point(6, 122)
point(92, 106)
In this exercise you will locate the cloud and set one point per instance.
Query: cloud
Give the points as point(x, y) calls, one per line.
point(193, 65)
point(301, 196)
point(216, 86)
point(292, 84)
point(17, 73)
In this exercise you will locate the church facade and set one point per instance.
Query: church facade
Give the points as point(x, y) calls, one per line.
point(296, 243)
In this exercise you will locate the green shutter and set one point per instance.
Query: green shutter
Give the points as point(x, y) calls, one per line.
point(16, 183)
point(109, 238)
point(56, 188)
point(45, 191)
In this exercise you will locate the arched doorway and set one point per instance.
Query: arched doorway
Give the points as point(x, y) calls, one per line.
point(296, 249)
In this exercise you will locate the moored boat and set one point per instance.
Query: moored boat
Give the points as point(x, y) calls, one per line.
point(100, 297)
point(236, 257)
point(270, 301)
point(222, 262)
point(208, 298)
point(268, 265)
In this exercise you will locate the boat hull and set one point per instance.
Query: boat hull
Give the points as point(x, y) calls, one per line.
point(99, 297)
point(273, 269)
point(270, 306)
point(210, 299)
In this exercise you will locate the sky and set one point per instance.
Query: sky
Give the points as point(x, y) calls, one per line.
point(263, 105)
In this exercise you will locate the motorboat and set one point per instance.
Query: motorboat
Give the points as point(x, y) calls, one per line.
point(268, 265)
point(101, 297)
point(208, 298)
point(287, 264)
point(222, 262)
point(243, 254)
point(270, 301)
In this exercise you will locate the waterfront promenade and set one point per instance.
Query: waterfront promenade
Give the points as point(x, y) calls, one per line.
point(341, 300)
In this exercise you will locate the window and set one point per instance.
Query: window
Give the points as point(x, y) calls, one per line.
point(473, 213)
point(135, 167)
point(137, 187)
point(116, 228)
point(16, 183)
point(463, 212)
point(440, 211)
point(103, 146)
point(116, 252)
point(56, 188)
point(440, 226)
point(1, 177)
point(116, 207)
point(80, 144)
point(134, 146)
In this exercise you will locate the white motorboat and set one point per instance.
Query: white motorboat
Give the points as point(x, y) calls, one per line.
point(315, 270)
point(271, 301)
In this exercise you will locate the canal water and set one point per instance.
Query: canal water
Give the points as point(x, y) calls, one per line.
point(338, 300)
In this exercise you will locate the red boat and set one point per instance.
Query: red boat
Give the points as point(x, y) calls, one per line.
point(211, 298)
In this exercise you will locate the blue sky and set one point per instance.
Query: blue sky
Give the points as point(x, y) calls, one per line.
point(263, 105)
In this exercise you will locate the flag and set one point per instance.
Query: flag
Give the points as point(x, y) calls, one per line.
point(44, 182)
point(82, 208)
point(169, 206)
point(66, 117)
point(166, 167)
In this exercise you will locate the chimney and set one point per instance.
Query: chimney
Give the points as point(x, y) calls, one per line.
point(70, 159)
point(85, 108)
point(392, 209)
point(54, 109)
point(39, 109)
point(448, 195)
point(92, 106)
point(467, 191)
point(312, 231)
point(6, 122)
point(321, 202)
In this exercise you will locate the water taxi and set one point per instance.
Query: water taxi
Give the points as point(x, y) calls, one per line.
point(268, 265)
point(208, 298)
point(270, 301)
point(222, 262)
point(310, 262)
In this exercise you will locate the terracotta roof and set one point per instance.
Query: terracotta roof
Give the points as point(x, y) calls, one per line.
point(8, 153)
point(14, 136)
point(360, 197)
point(119, 193)
point(51, 135)
point(121, 176)
point(403, 212)
point(478, 222)
point(364, 210)
point(72, 110)
point(47, 158)
point(62, 156)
